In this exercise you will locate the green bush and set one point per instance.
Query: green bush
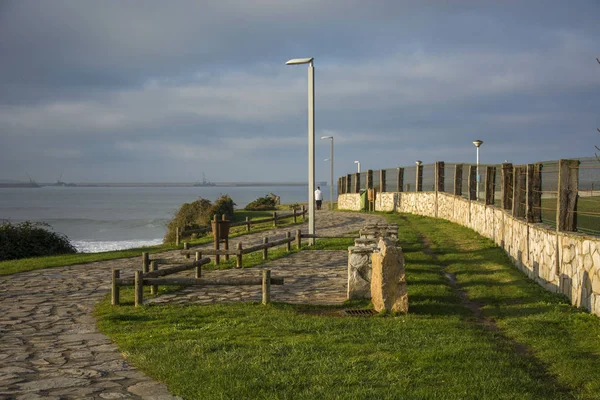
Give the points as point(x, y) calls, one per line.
point(262, 204)
point(189, 216)
point(31, 239)
point(224, 205)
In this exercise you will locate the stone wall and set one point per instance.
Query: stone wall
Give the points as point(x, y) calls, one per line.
point(562, 262)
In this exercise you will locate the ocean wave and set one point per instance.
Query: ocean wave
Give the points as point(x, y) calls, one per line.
point(89, 246)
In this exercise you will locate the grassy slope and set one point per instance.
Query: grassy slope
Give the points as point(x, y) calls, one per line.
point(439, 350)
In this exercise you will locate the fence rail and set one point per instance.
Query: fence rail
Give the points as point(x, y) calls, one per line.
point(564, 194)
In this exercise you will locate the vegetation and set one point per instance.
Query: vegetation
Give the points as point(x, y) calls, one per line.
point(31, 239)
point(522, 342)
point(262, 204)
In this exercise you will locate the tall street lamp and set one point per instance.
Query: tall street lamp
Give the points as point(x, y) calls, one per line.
point(477, 143)
point(330, 171)
point(311, 141)
point(357, 162)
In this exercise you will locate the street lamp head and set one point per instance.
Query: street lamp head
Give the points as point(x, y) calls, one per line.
point(356, 162)
point(326, 137)
point(418, 162)
point(477, 143)
point(297, 61)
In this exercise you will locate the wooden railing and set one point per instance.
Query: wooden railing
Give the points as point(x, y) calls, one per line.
point(179, 233)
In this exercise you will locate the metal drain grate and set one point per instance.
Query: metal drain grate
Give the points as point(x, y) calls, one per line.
point(359, 313)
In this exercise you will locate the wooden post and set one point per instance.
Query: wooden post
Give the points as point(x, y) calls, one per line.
point(247, 224)
point(537, 193)
point(177, 236)
point(566, 204)
point(490, 187)
point(115, 299)
point(439, 176)
point(369, 179)
point(472, 182)
point(519, 191)
point(198, 267)
point(357, 182)
point(288, 245)
point(507, 186)
point(266, 286)
point(400, 180)
point(303, 213)
point(340, 184)
point(226, 240)
point(186, 246)
point(139, 288)
point(419, 178)
point(145, 261)
point(294, 214)
point(154, 267)
point(348, 183)
point(382, 182)
point(265, 250)
point(274, 218)
point(458, 177)
point(216, 241)
point(298, 239)
point(238, 257)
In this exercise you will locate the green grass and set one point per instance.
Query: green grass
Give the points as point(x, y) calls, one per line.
point(29, 264)
point(544, 348)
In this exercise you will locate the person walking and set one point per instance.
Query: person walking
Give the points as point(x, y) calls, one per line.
point(319, 197)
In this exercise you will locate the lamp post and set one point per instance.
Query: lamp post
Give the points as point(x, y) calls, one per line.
point(330, 171)
point(357, 162)
point(311, 142)
point(477, 143)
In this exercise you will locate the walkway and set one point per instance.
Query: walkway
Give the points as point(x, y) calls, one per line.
point(50, 347)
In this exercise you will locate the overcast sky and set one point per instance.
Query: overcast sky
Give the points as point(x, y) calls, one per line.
point(158, 91)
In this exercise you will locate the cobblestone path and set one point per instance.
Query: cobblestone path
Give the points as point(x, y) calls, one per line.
point(50, 347)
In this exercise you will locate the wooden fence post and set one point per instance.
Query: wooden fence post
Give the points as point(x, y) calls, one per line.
point(177, 236)
point(537, 193)
point(266, 286)
point(303, 213)
point(139, 288)
point(288, 245)
point(458, 178)
point(217, 238)
point(419, 178)
point(238, 257)
point(519, 191)
point(294, 214)
point(348, 188)
point(472, 182)
point(568, 184)
point(274, 218)
point(439, 176)
point(490, 187)
point(507, 186)
point(400, 180)
point(154, 267)
point(198, 267)
point(369, 179)
point(247, 224)
point(298, 239)
point(115, 299)
point(357, 182)
point(265, 250)
point(145, 261)
point(186, 246)
point(382, 181)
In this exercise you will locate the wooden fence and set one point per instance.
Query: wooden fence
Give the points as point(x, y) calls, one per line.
point(179, 233)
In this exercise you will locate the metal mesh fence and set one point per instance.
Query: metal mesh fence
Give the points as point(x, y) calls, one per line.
point(549, 192)
point(410, 174)
point(376, 180)
point(428, 177)
point(391, 180)
point(465, 181)
point(498, 186)
point(448, 177)
point(588, 203)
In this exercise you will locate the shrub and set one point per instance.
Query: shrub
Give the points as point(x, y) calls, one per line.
point(31, 239)
point(224, 205)
point(262, 204)
point(190, 215)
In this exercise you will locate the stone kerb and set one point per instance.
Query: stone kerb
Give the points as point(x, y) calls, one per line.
point(359, 272)
point(389, 291)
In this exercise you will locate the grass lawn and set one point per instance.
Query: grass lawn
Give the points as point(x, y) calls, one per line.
point(28, 264)
point(539, 348)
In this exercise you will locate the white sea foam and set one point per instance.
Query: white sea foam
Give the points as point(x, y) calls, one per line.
point(85, 246)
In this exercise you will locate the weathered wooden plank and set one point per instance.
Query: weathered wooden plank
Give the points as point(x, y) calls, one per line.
point(177, 268)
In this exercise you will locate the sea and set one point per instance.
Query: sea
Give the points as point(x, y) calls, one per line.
point(97, 219)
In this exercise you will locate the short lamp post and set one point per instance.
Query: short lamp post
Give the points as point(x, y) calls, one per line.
point(357, 162)
point(311, 142)
point(330, 171)
point(477, 144)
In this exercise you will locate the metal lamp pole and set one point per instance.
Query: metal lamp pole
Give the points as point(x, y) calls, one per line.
point(330, 172)
point(357, 162)
point(477, 143)
point(311, 142)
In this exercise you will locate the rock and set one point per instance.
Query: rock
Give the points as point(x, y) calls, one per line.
point(389, 291)
point(359, 272)
point(52, 383)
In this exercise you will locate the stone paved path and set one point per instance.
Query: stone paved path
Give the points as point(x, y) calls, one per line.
point(50, 347)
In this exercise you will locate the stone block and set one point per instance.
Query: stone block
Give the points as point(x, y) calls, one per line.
point(389, 291)
point(359, 272)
